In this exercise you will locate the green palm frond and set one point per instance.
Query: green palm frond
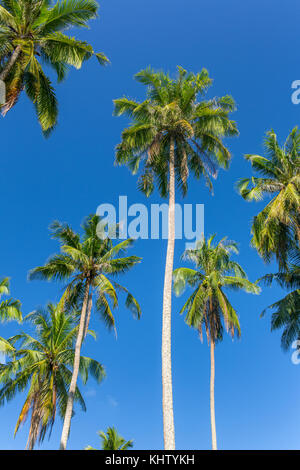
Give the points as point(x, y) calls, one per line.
point(91, 367)
point(10, 309)
point(183, 276)
point(286, 316)
point(105, 311)
point(67, 50)
point(68, 13)
point(40, 365)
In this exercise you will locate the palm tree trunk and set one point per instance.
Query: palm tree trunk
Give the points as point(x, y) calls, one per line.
point(212, 396)
point(11, 63)
point(73, 384)
point(167, 392)
point(34, 422)
point(88, 315)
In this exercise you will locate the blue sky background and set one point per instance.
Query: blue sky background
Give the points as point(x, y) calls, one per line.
point(251, 51)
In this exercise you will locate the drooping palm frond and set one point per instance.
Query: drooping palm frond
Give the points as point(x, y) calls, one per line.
point(172, 111)
point(94, 258)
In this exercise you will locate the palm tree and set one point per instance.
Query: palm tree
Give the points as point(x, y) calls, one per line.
point(280, 170)
point(87, 264)
point(171, 133)
point(10, 309)
point(209, 306)
point(276, 229)
point(111, 440)
point(31, 35)
point(43, 364)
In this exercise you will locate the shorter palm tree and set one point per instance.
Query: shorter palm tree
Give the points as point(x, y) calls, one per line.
point(280, 179)
point(42, 365)
point(10, 309)
point(209, 306)
point(111, 440)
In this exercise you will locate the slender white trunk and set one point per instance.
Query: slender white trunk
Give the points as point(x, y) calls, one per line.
point(73, 384)
point(10, 63)
point(88, 315)
point(212, 396)
point(167, 392)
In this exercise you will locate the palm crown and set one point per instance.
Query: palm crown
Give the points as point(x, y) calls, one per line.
point(280, 169)
point(42, 364)
point(10, 309)
point(172, 116)
point(30, 36)
point(111, 440)
point(91, 261)
point(208, 305)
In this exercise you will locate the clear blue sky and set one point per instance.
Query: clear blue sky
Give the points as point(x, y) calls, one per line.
point(251, 50)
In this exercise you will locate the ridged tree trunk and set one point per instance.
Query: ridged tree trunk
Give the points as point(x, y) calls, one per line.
point(11, 63)
point(88, 314)
point(167, 392)
point(212, 396)
point(73, 384)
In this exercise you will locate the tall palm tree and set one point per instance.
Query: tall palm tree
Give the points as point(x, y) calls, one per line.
point(111, 440)
point(209, 306)
point(10, 309)
point(280, 170)
point(88, 264)
point(42, 363)
point(171, 133)
point(31, 36)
